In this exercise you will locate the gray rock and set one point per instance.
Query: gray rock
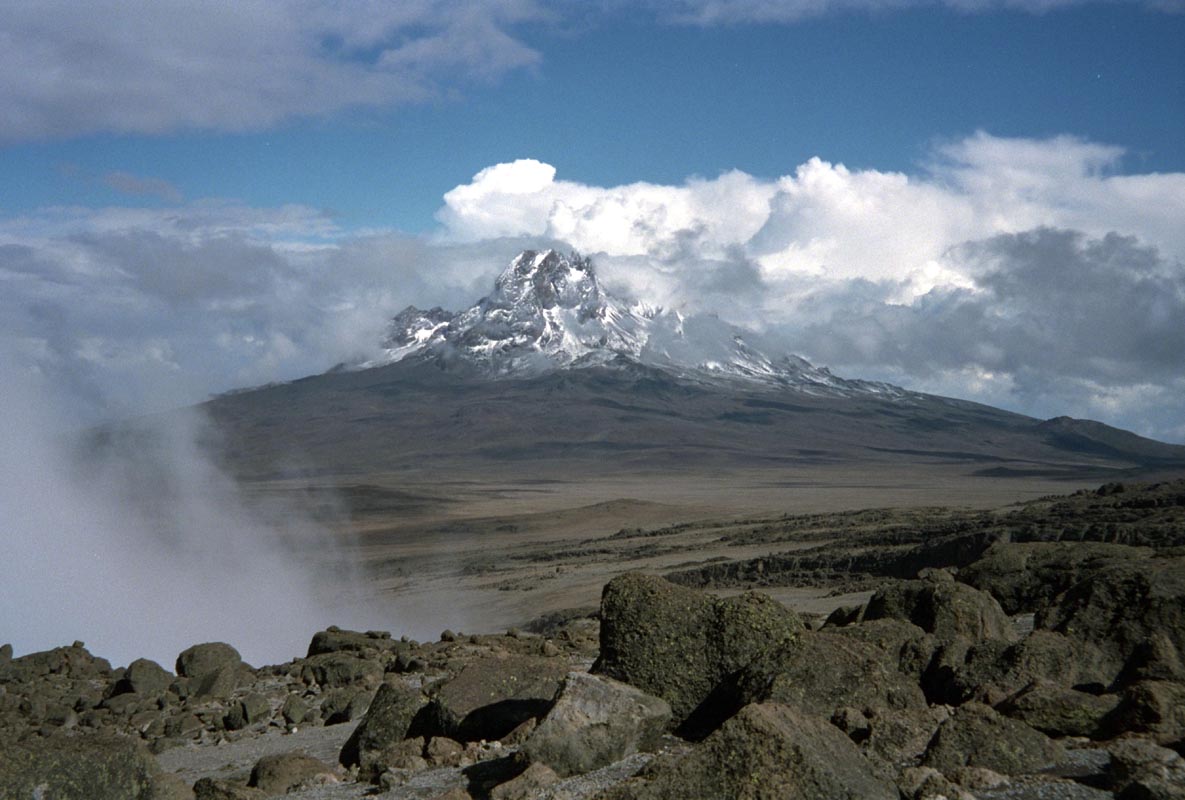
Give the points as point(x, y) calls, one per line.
point(1132, 611)
point(283, 772)
point(594, 722)
point(1142, 770)
point(203, 659)
point(145, 677)
point(978, 736)
point(335, 670)
point(386, 724)
point(766, 751)
point(944, 608)
point(78, 768)
point(491, 696)
point(678, 644)
point(1057, 711)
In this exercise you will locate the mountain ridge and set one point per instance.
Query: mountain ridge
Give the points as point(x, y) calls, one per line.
point(548, 311)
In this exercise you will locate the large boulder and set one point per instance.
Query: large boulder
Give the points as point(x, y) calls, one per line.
point(370, 644)
point(993, 670)
point(594, 722)
point(1154, 708)
point(821, 672)
point(491, 696)
point(978, 736)
point(1027, 577)
point(766, 751)
point(1059, 711)
point(145, 677)
point(281, 773)
point(203, 659)
point(213, 670)
point(1142, 770)
point(79, 768)
point(386, 724)
point(1133, 612)
point(338, 669)
point(906, 647)
point(834, 677)
point(677, 643)
point(944, 608)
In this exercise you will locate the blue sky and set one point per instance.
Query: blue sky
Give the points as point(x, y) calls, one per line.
point(622, 97)
point(194, 201)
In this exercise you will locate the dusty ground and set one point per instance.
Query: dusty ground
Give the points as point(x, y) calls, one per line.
point(484, 556)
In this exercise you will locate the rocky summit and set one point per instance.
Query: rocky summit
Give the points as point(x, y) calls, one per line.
point(994, 669)
point(548, 311)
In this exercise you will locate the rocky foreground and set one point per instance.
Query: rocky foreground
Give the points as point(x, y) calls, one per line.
point(1033, 670)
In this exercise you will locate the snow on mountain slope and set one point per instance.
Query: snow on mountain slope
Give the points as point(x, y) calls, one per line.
point(548, 311)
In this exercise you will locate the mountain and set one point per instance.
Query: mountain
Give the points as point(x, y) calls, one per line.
point(548, 312)
point(550, 375)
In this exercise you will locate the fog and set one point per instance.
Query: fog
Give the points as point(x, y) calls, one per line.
point(142, 548)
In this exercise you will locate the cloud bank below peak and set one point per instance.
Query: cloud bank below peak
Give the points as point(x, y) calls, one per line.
point(1032, 274)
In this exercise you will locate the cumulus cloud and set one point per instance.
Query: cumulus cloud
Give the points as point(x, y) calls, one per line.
point(68, 69)
point(1005, 270)
point(1002, 270)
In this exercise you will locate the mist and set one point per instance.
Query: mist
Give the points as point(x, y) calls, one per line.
point(140, 545)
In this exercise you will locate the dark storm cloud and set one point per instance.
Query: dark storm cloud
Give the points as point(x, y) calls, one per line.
point(1049, 305)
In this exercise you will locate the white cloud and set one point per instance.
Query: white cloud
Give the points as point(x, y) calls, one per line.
point(875, 273)
point(829, 222)
point(989, 274)
point(68, 69)
point(718, 12)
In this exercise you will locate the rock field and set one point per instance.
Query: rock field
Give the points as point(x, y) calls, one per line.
point(1030, 669)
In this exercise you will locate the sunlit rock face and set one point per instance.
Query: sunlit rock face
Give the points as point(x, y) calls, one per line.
point(548, 311)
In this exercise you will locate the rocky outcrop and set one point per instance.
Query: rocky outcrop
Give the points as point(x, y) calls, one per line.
point(766, 751)
point(679, 644)
point(73, 767)
point(491, 696)
point(941, 607)
point(594, 722)
point(1132, 613)
point(977, 736)
point(386, 724)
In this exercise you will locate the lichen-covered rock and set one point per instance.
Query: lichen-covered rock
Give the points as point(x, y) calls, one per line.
point(492, 695)
point(1123, 608)
point(945, 608)
point(1142, 770)
point(282, 772)
point(993, 670)
point(78, 768)
point(1059, 711)
point(335, 670)
point(250, 710)
point(1155, 708)
point(821, 672)
point(677, 643)
point(369, 644)
point(144, 677)
point(765, 752)
point(907, 647)
point(978, 736)
point(594, 722)
point(386, 724)
point(1025, 577)
point(203, 659)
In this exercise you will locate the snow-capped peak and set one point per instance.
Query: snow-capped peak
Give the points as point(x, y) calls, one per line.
point(547, 311)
